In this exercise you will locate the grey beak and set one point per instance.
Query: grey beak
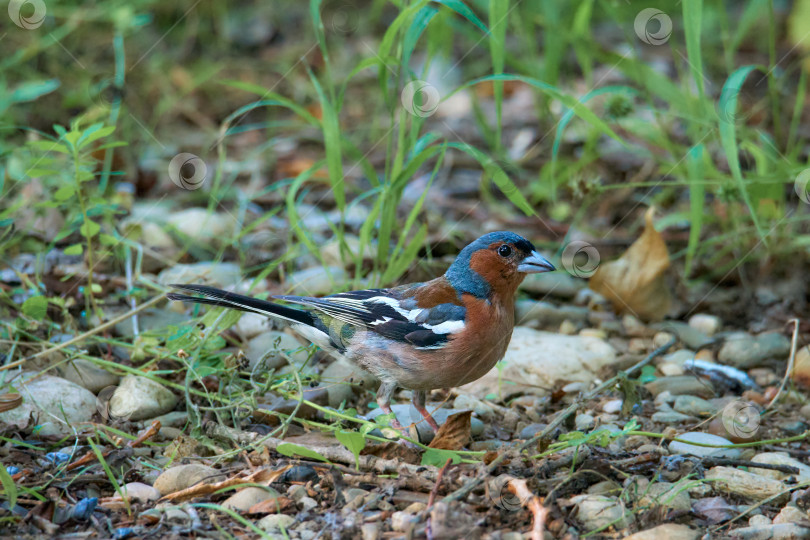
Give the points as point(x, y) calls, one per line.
point(535, 263)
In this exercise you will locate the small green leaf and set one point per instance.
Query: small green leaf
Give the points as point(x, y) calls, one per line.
point(108, 239)
point(437, 457)
point(35, 307)
point(64, 193)
point(9, 487)
point(75, 249)
point(292, 450)
point(89, 228)
point(95, 288)
point(354, 443)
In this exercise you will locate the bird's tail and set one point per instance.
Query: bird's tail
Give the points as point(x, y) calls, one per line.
point(217, 297)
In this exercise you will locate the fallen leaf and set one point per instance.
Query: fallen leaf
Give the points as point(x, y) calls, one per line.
point(392, 450)
point(275, 505)
point(262, 476)
point(454, 433)
point(635, 282)
point(10, 401)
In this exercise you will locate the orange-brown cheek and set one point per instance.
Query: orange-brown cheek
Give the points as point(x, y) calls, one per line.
point(490, 266)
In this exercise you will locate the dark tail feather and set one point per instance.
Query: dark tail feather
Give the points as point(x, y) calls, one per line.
point(217, 297)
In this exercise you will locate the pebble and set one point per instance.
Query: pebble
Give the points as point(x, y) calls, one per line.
point(532, 361)
point(694, 406)
point(669, 369)
point(138, 492)
point(584, 422)
point(343, 378)
point(759, 521)
point(776, 531)
point(184, 476)
point(671, 496)
point(781, 458)
point(316, 281)
point(745, 484)
point(597, 511)
point(87, 375)
point(670, 417)
point(270, 346)
point(744, 351)
point(559, 284)
point(308, 503)
point(691, 337)
point(708, 324)
point(225, 275)
point(202, 227)
point(531, 430)
point(790, 514)
point(251, 325)
point(371, 531)
point(245, 498)
point(801, 368)
point(613, 406)
point(678, 357)
point(402, 521)
point(677, 447)
point(275, 522)
point(407, 414)
point(140, 398)
point(55, 405)
point(682, 384)
point(668, 531)
point(548, 315)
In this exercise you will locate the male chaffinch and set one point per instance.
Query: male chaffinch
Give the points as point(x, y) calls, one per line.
point(443, 333)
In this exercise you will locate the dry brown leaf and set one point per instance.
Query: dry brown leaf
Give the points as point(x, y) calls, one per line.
point(10, 401)
point(262, 476)
point(454, 433)
point(635, 282)
point(392, 450)
point(274, 505)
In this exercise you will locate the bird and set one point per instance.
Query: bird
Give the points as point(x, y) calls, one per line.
point(437, 334)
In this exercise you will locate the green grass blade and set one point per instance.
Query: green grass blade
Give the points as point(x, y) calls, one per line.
point(498, 10)
point(692, 23)
point(331, 136)
point(697, 194)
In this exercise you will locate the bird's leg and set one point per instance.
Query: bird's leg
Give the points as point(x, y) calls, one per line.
point(384, 401)
point(419, 399)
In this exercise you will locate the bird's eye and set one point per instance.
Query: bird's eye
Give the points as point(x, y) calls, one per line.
point(504, 251)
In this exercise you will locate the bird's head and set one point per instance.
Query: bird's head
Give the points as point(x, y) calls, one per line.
point(495, 263)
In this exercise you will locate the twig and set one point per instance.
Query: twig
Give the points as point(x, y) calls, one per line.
point(96, 330)
point(559, 419)
point(712, 461)
point(91, 456)
point(791, 359)
point(432, 498)
point(518, 487)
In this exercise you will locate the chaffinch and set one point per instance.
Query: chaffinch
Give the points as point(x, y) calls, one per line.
point(443, 333)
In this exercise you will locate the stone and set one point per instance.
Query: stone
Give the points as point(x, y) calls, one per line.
point(87, 375)
point(140, 398)
point(407, 414)
point(584, 422)
point(678, 357)
point(691, 337)
point(151, 319)
point(547, 314)
point(185, 476)
point(531, 430)
point(597, 511)
point(273, 523)
point(371, 531)
point(160, 248)
point(559, 284)
point(745, 484)
point(224, 275)
point(708, 324)
point(759, 521)
point(678, 447)
point(402, 521)
point(671, 496)
point(538, 362)
point(55, 405)
point(613, 406)
point(791, 514)
point(140, 493)
point(271, 345)
point(251, 325)
point(316, 281)
point(202, 227)
point(694, 406)
point(343, 379)
point(744, 351)
point(679, 385)
point(667, 531)
point(245, 498)
point(776, 531)
point(780, 458)
point(801, 368)
point(670, 417)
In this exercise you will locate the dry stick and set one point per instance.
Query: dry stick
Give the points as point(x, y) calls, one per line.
point(539, 512)
point(792, 359)
point(559, 419)
point(432, 498)
point(96, 330)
